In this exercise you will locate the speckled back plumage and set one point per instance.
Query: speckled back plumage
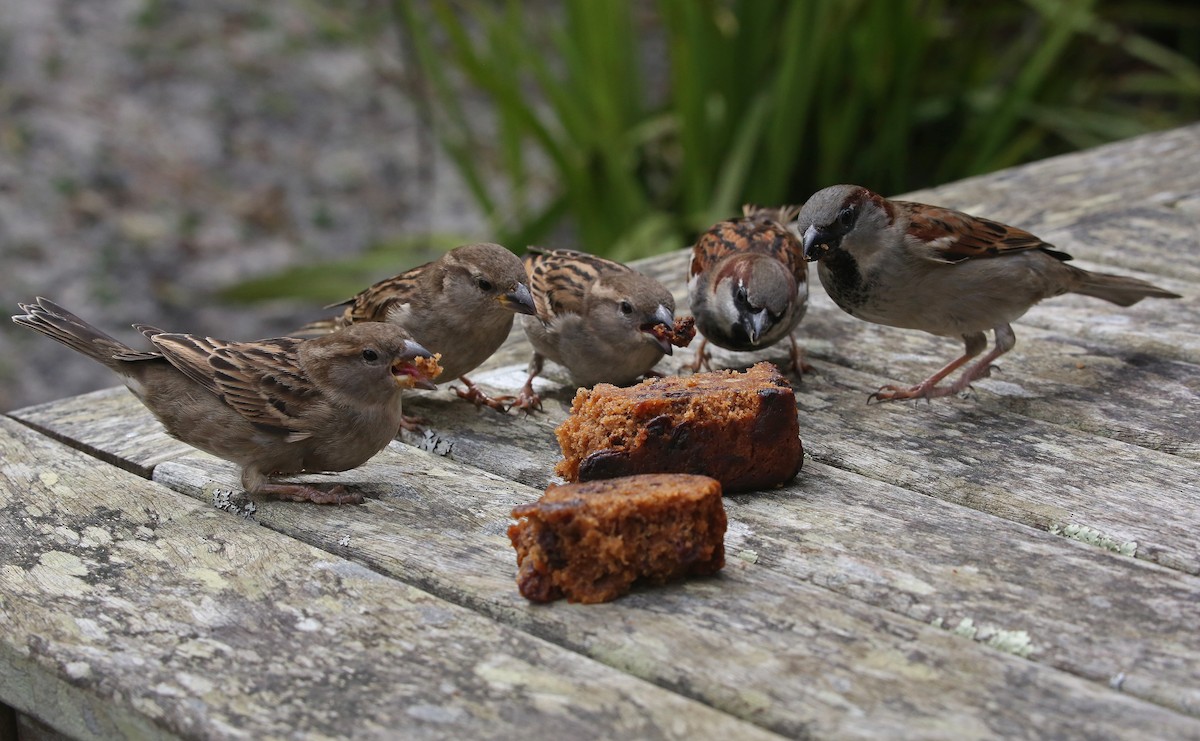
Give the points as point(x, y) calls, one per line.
point(451, 305)
point(593, 315)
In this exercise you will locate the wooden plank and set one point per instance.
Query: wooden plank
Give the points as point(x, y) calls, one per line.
point(130, 611)
point(756, 642)
point(523, 449)
point(121, 433)
point(427, 525)
point(855, 437)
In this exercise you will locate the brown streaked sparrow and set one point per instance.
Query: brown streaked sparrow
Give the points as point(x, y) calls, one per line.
point(274, 407)
point(911, 265)
point(460, 305)
point(748, 284)
point(601, 320)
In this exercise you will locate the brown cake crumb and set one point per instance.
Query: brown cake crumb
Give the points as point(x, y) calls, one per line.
point(739, 428)
point(429, 366)
point(589, 542)
point(679, 335)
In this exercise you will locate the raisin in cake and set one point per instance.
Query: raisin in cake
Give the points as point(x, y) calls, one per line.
point(739, 428)
point(591, 541)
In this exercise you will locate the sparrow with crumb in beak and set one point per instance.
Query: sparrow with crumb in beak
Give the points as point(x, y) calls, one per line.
point(274, 407)
point(460, 306)
point(601, 320)
point(916, 266)
point(748, 284)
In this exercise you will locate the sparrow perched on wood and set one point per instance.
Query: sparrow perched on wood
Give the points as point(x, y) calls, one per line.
point(460, 305)
point(601, 320)
point(276, 406)
point(948, 273)
point(748, 284)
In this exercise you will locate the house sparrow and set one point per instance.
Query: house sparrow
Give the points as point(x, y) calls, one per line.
point(460, 305)
point(948, 273)
point(600, 319)
point(276, 406)
point(748, 284)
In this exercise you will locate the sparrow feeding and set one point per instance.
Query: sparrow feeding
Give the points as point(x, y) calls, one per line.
point(603, 321)
point(274, 407)
point(911, 265)
point(748, 284)
point(460, 306)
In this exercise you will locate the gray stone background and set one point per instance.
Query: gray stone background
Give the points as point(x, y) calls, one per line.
point(153, 152)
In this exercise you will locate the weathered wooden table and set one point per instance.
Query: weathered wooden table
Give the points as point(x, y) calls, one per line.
point(1020, 563)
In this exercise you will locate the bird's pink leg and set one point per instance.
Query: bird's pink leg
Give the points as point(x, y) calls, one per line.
point(474, 395)
point(702, 357)
point(799, 365)
point(527, 399)
point(929, 389)
point(1005, 341)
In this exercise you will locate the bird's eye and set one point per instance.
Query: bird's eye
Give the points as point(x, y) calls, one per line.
point(626, 307)
point(741, 295)
point(845, 217)
point(484, 284)
point(370, 355)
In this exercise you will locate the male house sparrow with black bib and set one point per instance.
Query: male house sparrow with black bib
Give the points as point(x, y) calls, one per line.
point(274, 407)
point(748, 284)
point(461, 306)
point(603, 321)
point(911, 265)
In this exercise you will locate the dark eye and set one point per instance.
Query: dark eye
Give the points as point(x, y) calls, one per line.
point(370, 355)
point(741, 295)
point(484, 284)
point(626, 307)
point(845, 217)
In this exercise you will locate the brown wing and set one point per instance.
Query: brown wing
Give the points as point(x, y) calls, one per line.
point(952, 236)
point(262, 380)
point(376, 303)
point(760, 230)
point(559, 279)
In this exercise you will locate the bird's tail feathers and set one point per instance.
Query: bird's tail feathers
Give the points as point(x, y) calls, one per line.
point(57, 323)
point(1119, 289)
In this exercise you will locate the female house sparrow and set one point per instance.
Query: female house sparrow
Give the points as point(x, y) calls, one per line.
point(923, 267)
point(460, 305)
point(276, 406)
point(602, 320)
point(748, 284)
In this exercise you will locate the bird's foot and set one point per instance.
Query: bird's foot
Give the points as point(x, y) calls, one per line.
point(799, 366)
point(925, 391)
point(307, 493)
point(477, 397)
point(527, 401)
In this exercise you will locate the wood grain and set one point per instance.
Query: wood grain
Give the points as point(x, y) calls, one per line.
point(130, 611)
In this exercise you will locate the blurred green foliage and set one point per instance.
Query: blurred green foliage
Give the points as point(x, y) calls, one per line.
point(770, 100)
point(625, 128)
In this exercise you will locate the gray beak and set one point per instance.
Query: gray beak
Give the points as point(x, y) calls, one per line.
point(817, 243)
point(756, 324)
point(519, 300)
point(661, 316)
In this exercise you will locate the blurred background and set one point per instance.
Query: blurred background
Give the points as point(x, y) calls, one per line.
point(227, 167)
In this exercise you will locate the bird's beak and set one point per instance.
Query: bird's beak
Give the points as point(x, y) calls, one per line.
point(519, 300)
point(817, 243)
point(662, 316)
point(416, 367)
point(756, 323)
